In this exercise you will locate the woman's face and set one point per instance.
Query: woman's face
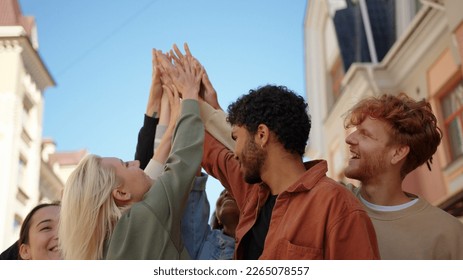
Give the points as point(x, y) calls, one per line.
point(226, 209)
point(43, 235)
point(135, 181)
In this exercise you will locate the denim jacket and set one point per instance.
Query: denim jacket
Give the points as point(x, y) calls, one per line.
point(200, 240)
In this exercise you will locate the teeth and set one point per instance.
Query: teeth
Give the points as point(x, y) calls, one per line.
point(354, 155)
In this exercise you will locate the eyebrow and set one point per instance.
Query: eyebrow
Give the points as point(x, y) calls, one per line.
point(123, 163)
point(44, 221)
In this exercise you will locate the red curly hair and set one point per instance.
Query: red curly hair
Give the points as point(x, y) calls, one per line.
point(412, 123)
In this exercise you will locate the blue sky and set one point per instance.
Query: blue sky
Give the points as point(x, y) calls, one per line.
point(99, 54)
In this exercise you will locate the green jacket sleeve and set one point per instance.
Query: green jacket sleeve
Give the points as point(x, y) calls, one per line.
point(150, 229)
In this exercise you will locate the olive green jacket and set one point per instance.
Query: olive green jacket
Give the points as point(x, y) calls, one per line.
point(150, 229)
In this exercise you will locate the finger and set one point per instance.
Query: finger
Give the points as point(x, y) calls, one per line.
point(189, 66)
point(168, 68)
point(153, 56)
point(169, 94)
point(163, 60)
point(176, 94)
point(166, 79)
point(197, 65)
point(153, 62)
point(207, 83)
point(187, 49)
point(156, 74)
point(175, 58)
point(167, 91)
point(200, 75)
point(163, 74)
point(205, 80)
point(178, 52)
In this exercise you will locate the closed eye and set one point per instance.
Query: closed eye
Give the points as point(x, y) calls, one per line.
point(45, 229)
point(124, 163)
point(366, 133)
point(44, 225)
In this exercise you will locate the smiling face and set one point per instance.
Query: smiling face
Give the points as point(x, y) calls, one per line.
point(42, 241)
point(226, 207)
point(249, 155)
point(134, 181)
point(227, 213)
point(370, 150)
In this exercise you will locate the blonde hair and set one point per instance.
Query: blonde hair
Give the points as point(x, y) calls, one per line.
point(88, 210)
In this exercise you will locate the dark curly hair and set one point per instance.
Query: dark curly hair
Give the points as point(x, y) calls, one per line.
point(412, 124)
point(283, 111)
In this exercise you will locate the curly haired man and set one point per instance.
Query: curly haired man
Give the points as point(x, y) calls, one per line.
point(289, 209)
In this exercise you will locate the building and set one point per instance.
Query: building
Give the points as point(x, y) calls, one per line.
point(392, 46)
point(31, 171)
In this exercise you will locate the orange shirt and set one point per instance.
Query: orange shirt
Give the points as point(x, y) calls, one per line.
point(315, 218)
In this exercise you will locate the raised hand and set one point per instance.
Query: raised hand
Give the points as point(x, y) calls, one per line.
point(162, 151)
point(174, 104)
point(154, 99)
point(186, 74)
point(209, 94)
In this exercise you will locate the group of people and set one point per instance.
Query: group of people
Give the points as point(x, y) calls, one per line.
point(273, 206)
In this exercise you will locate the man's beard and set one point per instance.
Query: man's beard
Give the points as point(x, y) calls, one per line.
point(372, 165)
point(252, 160)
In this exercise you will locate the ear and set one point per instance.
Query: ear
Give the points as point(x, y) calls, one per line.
point(262, 135)
point(399, 154)
point(121, 196)
point(25, 251)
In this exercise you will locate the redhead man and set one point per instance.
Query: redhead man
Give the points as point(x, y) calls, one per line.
point(394, 135)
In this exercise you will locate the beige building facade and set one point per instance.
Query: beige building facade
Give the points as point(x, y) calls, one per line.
point(31, 171)
point(424, 61)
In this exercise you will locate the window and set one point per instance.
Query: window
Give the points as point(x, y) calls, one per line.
point(27, 106)
point(452, 110)
point(21, 170)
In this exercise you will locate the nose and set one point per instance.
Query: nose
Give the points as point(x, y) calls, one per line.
point(135, 163)
point(55, 233)
point(351, 139)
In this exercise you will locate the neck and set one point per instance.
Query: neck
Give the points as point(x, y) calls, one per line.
point(384, 191)
point(230, 222)
point(229, 230)
point(282, 171)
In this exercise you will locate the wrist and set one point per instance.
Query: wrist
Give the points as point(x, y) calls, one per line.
point(190, 94)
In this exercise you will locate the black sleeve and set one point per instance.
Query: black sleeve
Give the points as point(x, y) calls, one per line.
point(12, 253)
point(145, 144)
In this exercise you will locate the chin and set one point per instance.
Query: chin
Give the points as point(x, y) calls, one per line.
point(252, 179)
point(351, 174)
point(57, 257)
point(252, 182)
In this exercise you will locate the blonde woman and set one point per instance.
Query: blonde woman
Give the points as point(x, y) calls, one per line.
point(111, 209)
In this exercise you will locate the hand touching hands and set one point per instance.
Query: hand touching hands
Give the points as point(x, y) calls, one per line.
point(209, 95)
point(184, 71)
point(154, 100)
